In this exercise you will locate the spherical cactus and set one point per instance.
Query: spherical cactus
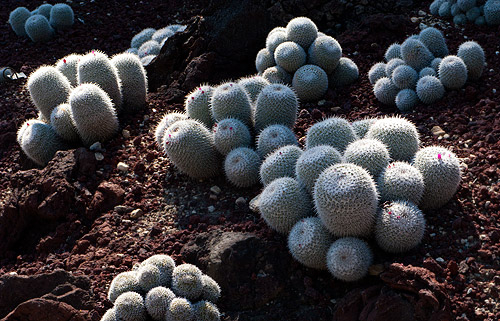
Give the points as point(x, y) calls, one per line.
point(280, 163)
point(394, 51)
point(264, 60)
point(385, 91)
point(274, 137)
point(480, 21)
point(435, 64)
point(441, 171)
point(312, 162)
point(460, 19)
point(95, 67)
point(406, 100)
point(401, 181)
point(400, 227)
point(122, 283)
point(276, 104)
point(93, 114)
point(229, 134)
point(346, 200)
point(24, 126)
point(211, 289)
point(206, 311)
point(68, 66)
point(465, 5)
point(345, 74)
point(283, 203)
point(162, 34)
point(150, 47)
point(187, 281)
point(253, 86)
point(429, 89)
point(376, 72)
point(371, 154)
point(147, 59)
point(133, 51)
point(348, 259)
point(455, 9)
point(434, 7)
point(61, 16)
point(427, 71)
point(38, 28)
point(17, 20)
point(452, 72)
point(301, 30)
point(416, 54)
point(142, 37)
point(290, 56)
point(180, 309)
point(309, 241)
point(333, 131)
point(40, 142)
point(473, 13)
point(310, 82)
point(277, 74)
point(445, 9)
point(492, 12)
point(61, 121)
point(275, 39)
point(149, 277)
point(134, 82)
point(197, 105)
point(165, 265)
point(110, 315)
point(129, 306)
point(241, 167)
point(190, 147)
point(325, 52)
point(276, 29)
point(404, 77)
point(157, 301)
point(165, 122)
point(434, 40)
point(230, 100)
point(393, 64)
point(472, 55)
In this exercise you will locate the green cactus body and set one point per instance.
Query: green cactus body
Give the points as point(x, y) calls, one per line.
point(283, 203)
point(134, 81)
point(26, 124)
point(187, 281)
point(376, 72)
point(17, 20)
point(61, 121)
point(211, 289)
point(406, 100)
point(454, 9)
point(40, 142)
point(348, 259)
point(345, 74)
point(310, 82)
point(416, 54)
point(427, 71)
point(473, 13)
point(445, 9)
point(276, 104)
point(362, 126)
point(147, 59)
point(110, 315)
point(150, 47)
point(162, 34)
point(275, 39)
point(122, 283)
point(393, 64)
point(325, 52)
point(280, 163)
point(157, 301)
point(230, 100)
point(276, 74)
point(149, 277)
point(346, 200)
point(241, 167)
point(434, 40)
point(253, 85)
point(492, 12)
point(61, 16)
point(165, 265)
point(480, 21)
point(435, 64)
point(371, 154)
point(274, 137)
point(93, 114)
point(434, 7)
point(400, 181)
point(38, 28)
point(129, 306)
point(206, 311)
point(393, 51)
point(180, 309)
point(404, 77)
point(452, 72)
point(44, 10)
point(429, 89)
point(472, 55)
point(264, 60)
point(301, 30)
point(385, 91)
point(400, 227)
point(165, 122)
point(441, 171)
point(333, 131)
point(142, 37)
point(197, 105)
point(290, 56)
point(466, 5)
point(68, 66)
point(460, 19)
point(229, 134)
point(309, 241)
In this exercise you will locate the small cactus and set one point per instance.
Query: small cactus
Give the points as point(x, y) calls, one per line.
point(325, 52)
point(404, 77)
point(385, 91)
point(24, 126)
point(427, 71)
point(406, 100)
point(134, 81)
point(362, 126)
point(310, 82)
point(371, 154)
point(276, 74)
point(429, 89)
point(345, 74)
point(17, 20)
point(290, 56)
point(68, 66)
point(165, 265)
point(301, 30)
point(393, 51)
point(147, 59)
point(38, 28)
point(472, 55)
point(162, 34)
point(229, 134)
point(274, 137)
point(150, 47)
point(416, 54)
point(180, 309)
point(142, 37)
point(393, 64)
point(492, 12)
point(40, 142)
point(348, 259)
point(460, 19)
point(149, 277)
point(122, 283)
point(264, 60)
point(401, 181)
point(211, 289)
point(376, 72)
point(435, 64)
point(280, 163)
point(165, 122)
point(187, 281)
point(157, 301)
point(242, 167)
point(230, 100)
point(206, 311)
point(276, 104)
point(333, 131)
point(274, 39)
point(445, 9)
point(253, 86)
point(110, 315)
point(197, 105)
point(473, 13)
point(465, 5)
point(452, 72)
point(61, 16)
point(129, 306)
point(434, 40)
point(434, 7)
point(61, 121)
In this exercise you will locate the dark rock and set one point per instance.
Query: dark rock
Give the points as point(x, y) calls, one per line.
point(42, 310)
point(107, 196)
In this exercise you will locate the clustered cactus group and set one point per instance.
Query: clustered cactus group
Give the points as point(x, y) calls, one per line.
point(158, 290)
point(309, 60)
point(79, 100)
point(40, 24)
point(422, 69)
point(480, 12)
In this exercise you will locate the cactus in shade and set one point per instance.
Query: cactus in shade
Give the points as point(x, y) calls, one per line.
point(376, 72)
point(95, 67)
point(325, 52)
point(393, 51)
point(492, 12)
point(429, 89)
point(385, 91)
point(472, 55)
point(481, 21)
point(165, 265)
point(434, 7)
point(441, 171)
point(17, 20)
point(68, 66)
point(393, 64)
point(416, 54)
point(454, 9)
point(110, 315)
point(276, 74)
point(452, 72)
point(310, 82)
point(180, 309)
point(445, 9)
point(465, 5)
point(435, 64)
point(274, 137)
point(371, 154)
point(301, 30)
point(283, 203)
point(345, 74)
point(275, 39)
point(434, 40)
point(264, 60)
point(129, 306)
point(460, 19)
point(276, 104)
point(61, 16)
point(280, 163)
point(312, 162)
point(401, 181)
point(229, 134)
point(404, 77)
point(122, 283)
point(400, 227)
point(241, 167)
point(253, 86)
point(187, 281)
point(230, 100)
point(148, 276)
point(150, 47)
point(142, 37)
point(165, 122)
point(362, 126)
point(348, 259)
point(157, 301)
point(473, 13)
point(40, 142)
point(162, 34)
point(93, 114)
point(333, 131)
point(38, 28)
point(427, 71)
point(211, 289)
point(290, 56)
point(190, 147)
point(197, 105)
point(61, 121)
point(406, 100)
point(206, 311)
point(309, 241)
point(134, 82)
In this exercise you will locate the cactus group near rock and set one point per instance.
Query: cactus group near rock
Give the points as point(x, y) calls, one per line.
point(479, 12)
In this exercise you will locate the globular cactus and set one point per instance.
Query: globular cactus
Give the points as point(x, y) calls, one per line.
point(274, 39)
point(134, 81)
point(404, 77)
point(197, 105)
point(276, 104)
point(309, 241)
point(241, 167)
point(301, 30)
point(187, 281)
point(149, 277)
point(230, 100)
point(264, 60)
point(434, 7)
point(429, 89)
point(492, 12)
point(435, 64)
point(93, 114)
point(206, 311)
point(472, 55)
point(61, 121)
point(290, 56)
point(283, 203)
point(325, 52)
point(165, 122)
point(122, 283)
point(400, 227)
point(310, 82)
point(371, 154)
point(142, 37)
point(274, 137)
point(147, 59)
point(150, 47)
point(348, 259)
point(362, 126)
point(473, 13)
point(38, 28)
point(61, 16)
point(180, 309)
point(69, 68)
point(452, 72)
point(165, 265)
point(427, 71)
point(24, 126)
point(162, 34)
point(460, 19)
point(393, 51)
point(385, 91)
point(480, 21)
point(17, 20)
point(393, 64)
point(416, 54)
point(454, 9)
point(465, 5)
point(211, 289)
point(445, 9)
point(333, 131)
point(441, 171)
point(276, 74)
point(312, 162)
point(406, 100)
point(280, 163)
point(345, 74)
point(276, 29)
point(190, 147)
point(376, 72)
point(157, 302)
point(133, 51)
point(129, 306)
point(434, 40)
point(401, 181)
point(110, 315)
point(229, 134)
point(40, 142)
point(253, 85)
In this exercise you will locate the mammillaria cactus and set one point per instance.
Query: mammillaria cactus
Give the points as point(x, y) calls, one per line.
point(134, 82)
point(325, 52)
point(345, 74)
point(376, 72)
point(348, 259)
point(150, 47)
point(206, 311)
point(69, 68)
point(142, 37)
point(393, 51)
point(404, 77)
point(472, 55)
point(157, 301)
point(406, 99)
point(301, 30)
point(165, 122)
point(385, 91)
point(40, 142)
point(242, 167)
point(434, 40)
point(61, 16)
point(280, 163)
point(17, 20)
point(264, 60)
point(434, 7)
point(435, 64)
point(393, 64)
point(229, 134)
point(460, 19)
point(187, 281)
point(428, 71)
point(290, 56)
point(122, 283)
point(276, 74)
point(492, 12)
point(274, 137)
point(253, 86)
point(26, 124)
point(197, 105)
point(274, 39)
point(165, 265)
point(38, 28)
point(312, 162)
point(429, 89)
point(416, 54)
point(180, 309)
point(371, 154)
point(401, 181)
point(129, 306)
point(149, 277)
point(276, 104)
point(452, 72)
point(473, 13)
point(211, 289)
point(362, 126)
point(61, 121)
point(230, 100)
point(162, 34)
point(310, 82)
point(110, 315)
point(445, 9)
point(333, 131)
point(465, 5)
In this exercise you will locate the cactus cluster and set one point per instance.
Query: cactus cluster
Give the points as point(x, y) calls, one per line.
point(479, 12)
point(159, 290)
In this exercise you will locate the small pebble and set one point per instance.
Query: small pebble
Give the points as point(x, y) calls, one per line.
point(215, 189)
point(414, 19)
point(99, 156)
point(125, 133)
point(421, 13)
point(440, 260)
point(321, 102)
point(136, 213)
point(241, 201)
point(122, 209)
point(122, 167)
point(437, 131)
point(95, 147)
point(211, 208)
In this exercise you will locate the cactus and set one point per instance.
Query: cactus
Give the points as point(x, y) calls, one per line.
point(147, 59)
point(230, 100)
point(165, 122)
point(283, 203)
point(472, 55)
point(197, 105)
point(190, 147)
point(150, 47)
point(280, 163)
point(393, 64)
point(276, 104)
point(148, 276)
point(229, 134)
point(445, 9)
point(362, 126)
point(325, 52)
point(400, 227)
point(394, 51)
point(441, 171)
point(61, 121)
point(206, 311)
point(376, 72)
point(38, 28)
point(406, 100)
point(162, 34)
point(401, 182)
point(348, 259)
point(68, 66)
point(275, 39)
point(460, 19)
point(427, 71)
point(241, 167)
point(24, 126)
point(274, 137)
point(122, 283)
point(17, 20)
point(157, 301)
point(429, 89)
point(110, 315)
point(40, 142)
point(129, 306)
point(480, 21)
point(492, 12)
point(180, 309)
point(253, 86)
point(345, 74)
point(435, 64)
point(133, 51)
point(187, 281)
point(416, 54)
point(333, 131)
point(93, 114)
point(290, 56)
point(211, 289)
point(61, 16)
point(165, 265)
point(371, 154)
point(454, 9)
point(264, 60)
point(434, 40)
point(134, 82)
point(465, 5)
point(434, 7)
point(309, 241)
point(276, 74)
point(452, 72)
point(473, 13)
point(404, 77)
point(312, 162)
point(142, 37)
point(310, 82)
point(301, 30)
point(385, 91)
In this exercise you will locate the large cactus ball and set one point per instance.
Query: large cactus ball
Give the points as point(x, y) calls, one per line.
point(430, 89)
point(290, 56)
point(348, 259)
point(301, 30)
point(187, 281)
point(325, 52)
point(242, 167)
point(401, 181)
point(130, 307)
point(452, 72)
point(310, 82)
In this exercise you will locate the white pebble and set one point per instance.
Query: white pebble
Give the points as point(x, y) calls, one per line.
point(211, 208)
point(440, 260)
point(122, 167)
point(125, 133)
point(215, 189)
point(99, 156)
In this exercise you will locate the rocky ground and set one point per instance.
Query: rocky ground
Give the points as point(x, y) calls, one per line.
point(66, 230)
